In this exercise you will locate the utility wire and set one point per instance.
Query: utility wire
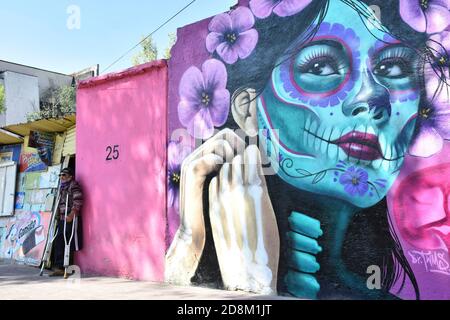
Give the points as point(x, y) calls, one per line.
point(156, 30)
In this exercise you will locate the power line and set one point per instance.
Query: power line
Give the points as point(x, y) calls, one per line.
point(156, 30)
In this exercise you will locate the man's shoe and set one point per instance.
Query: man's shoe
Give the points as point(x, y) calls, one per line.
point(57, 273)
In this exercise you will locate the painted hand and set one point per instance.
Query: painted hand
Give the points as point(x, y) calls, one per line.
point(244, 226)
point(187, 247)
point(300, 280)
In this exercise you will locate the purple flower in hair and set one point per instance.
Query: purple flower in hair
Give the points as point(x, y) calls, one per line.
point(428, 16)
point(355, 181)
point(176, 153)
point(434, 118)
point(204, 99)
point(232, 35)
point(283, 8)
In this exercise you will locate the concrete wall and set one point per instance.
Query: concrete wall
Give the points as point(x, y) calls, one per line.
point(21, 97)
point(327, 221)
point(47, 79)
point(121, 152)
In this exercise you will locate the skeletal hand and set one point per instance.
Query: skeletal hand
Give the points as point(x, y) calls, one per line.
point(244, 226)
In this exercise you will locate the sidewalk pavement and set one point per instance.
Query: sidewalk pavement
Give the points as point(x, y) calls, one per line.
point(19, 282)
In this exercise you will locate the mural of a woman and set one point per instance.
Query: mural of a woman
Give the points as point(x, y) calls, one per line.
point(335, 97)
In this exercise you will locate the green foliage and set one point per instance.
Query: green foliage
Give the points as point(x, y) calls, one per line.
point(148, 53)
point(2, 99)
point(56, 102)
point(172, 41)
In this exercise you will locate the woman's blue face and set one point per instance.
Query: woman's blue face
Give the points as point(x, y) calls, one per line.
point(340, 111)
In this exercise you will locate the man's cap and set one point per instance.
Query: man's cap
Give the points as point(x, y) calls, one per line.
point(68, 171)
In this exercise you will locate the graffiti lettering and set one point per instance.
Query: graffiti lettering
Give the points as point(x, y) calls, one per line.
point(27, 229)
point(433, 261)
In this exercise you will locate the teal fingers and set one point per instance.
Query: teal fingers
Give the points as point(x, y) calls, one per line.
point(305, 225)
point(303, 243)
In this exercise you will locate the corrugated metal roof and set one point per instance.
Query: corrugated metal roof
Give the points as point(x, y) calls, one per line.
point(46, 125)
point(9, 138)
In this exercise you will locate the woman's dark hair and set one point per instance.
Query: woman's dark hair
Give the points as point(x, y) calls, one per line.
point(276, 34)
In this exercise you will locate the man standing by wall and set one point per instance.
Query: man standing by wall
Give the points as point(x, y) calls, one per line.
point(72, 194)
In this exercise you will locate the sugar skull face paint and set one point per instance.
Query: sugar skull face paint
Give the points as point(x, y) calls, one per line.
point(344, 105)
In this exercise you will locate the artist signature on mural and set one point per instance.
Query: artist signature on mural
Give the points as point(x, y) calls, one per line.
point(433, 261)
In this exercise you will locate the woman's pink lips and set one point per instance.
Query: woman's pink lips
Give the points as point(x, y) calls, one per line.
point(360, 145)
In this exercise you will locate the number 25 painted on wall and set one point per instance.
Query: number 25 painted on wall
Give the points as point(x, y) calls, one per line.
point(113, 153)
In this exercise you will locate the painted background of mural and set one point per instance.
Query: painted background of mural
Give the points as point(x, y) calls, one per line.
point(419, 204)
point(121, 129)
point(219, 75)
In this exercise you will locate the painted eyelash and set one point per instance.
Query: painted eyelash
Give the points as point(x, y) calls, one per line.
point(395, 53)
point(321, 53)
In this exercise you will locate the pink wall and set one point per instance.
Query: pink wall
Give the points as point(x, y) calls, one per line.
point(124, 217)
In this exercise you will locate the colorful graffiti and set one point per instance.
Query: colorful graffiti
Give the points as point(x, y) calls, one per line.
point(297, 118)
point(31, 161)
point(44, 142)
point(24, 239)
point(10, 153)
point(418, 201)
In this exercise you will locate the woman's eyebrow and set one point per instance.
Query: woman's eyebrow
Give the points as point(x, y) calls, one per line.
point(327, 42)
point(394, 46)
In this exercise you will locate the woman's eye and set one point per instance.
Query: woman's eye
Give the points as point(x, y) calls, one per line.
point(320, 67)
point(394, 69)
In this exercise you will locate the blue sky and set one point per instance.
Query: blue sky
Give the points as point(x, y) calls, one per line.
point(35, 33)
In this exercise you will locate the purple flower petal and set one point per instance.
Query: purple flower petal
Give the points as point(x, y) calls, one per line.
point(201, 125)
point(354, 181)
point(437, 90)
point(204, 101)
point(363, 187)
point(187, 110)
point(440, 43)
point(427, 143)
point(242, 19)
point(171, 197)
point(351, 189)
point(177, 152)
point(262, 8)
point(191, 85)
point(213, 40)
point(234, 38)
point(246, 43)
point(345, 179)
point(442, 3)
point(412, 13)
point(214, 74)
point(227, 52)
point(219, 109)
point(172, 156)
point(438, 18)
point(442, 123)
point(288, 8)
point(221, 23)
point(362, 175)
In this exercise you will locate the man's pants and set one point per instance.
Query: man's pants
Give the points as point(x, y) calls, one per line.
point(59, 245)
